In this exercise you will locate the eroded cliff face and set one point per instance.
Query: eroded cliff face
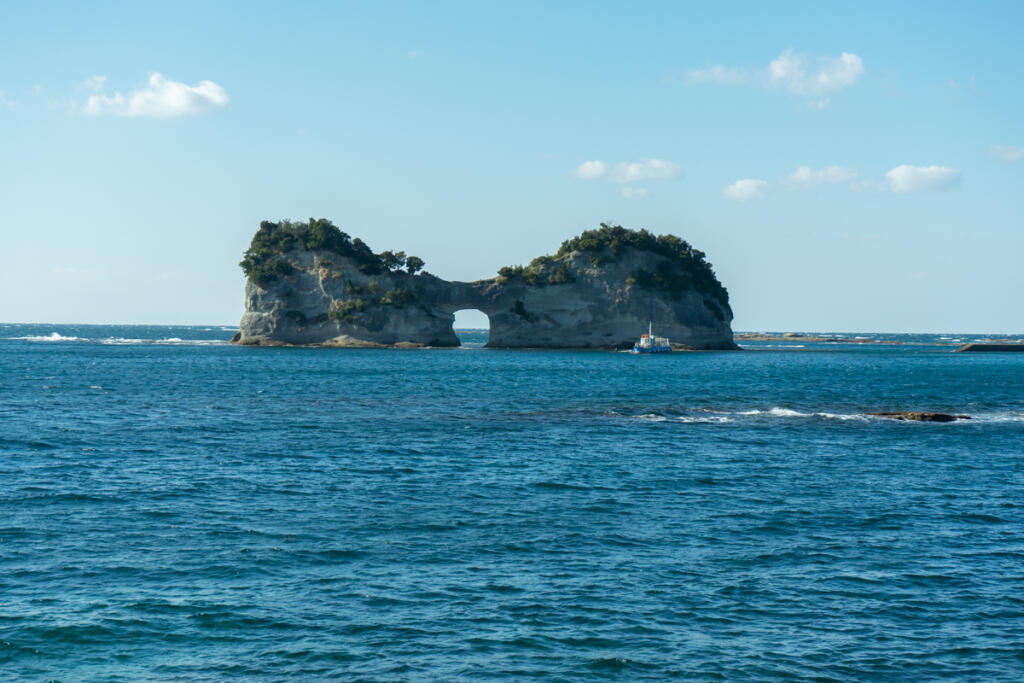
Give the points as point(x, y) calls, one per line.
point(328, 300)
point(592, 294)
point(602, 307)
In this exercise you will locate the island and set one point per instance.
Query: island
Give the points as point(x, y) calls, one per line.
point(309, 283)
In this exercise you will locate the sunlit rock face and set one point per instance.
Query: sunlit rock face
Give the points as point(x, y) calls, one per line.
point(310, 284)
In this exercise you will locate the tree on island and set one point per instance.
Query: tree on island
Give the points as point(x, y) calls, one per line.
point(414, 264)
point(393, 260)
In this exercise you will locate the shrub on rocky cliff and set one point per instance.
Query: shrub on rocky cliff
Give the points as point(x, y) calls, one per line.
point(262, 261)
point(266, 270)
point(543, 270)
point(397, 297)
point(346, 310)
point(683, 269)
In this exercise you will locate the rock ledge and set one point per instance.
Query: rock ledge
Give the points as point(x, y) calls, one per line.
point(921, 416)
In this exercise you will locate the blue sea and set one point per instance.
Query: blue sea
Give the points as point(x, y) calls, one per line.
point(175, 508)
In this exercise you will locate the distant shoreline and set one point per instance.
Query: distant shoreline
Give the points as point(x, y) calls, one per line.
point(872, 338)
point(819, 337)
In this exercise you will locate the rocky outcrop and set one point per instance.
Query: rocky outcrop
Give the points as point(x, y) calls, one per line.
point(978, 348)
point(811, 338)
point(915, 416)
point(309, 283)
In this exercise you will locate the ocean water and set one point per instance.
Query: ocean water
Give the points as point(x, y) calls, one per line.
point(174, 508)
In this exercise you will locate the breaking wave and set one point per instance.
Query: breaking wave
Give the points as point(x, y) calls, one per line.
point(789, 412)
point(55, 337)
point(705, 416)
point(173, 341)
point(121, 341)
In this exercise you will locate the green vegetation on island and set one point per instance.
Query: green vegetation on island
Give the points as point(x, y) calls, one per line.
point(264, 262)
point(360, 284)
point(543, 270)
point(683, 268)
point(348, 309)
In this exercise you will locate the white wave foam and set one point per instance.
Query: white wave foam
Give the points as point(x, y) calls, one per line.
point(708, 416)
point(653, 417)
point(842, 416)
point(788, 412)
point(754, 344)
point(1005, 416)
point(119, 341)
point(189, 342)
point(54, 337)
point(775, 412)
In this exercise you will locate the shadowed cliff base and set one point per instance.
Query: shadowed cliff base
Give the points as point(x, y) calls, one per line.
point(309, 283)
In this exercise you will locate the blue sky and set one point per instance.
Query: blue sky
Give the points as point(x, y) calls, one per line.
point(844, 167)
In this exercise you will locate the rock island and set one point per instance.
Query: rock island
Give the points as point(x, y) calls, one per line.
point(309, 283)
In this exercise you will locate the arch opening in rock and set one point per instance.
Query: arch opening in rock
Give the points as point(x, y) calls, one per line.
point(472, 326)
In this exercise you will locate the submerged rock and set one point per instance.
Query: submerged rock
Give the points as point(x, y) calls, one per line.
point(969, 348)
point(921, 416)
point(310, 283)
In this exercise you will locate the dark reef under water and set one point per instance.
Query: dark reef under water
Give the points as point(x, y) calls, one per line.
point(176, 508)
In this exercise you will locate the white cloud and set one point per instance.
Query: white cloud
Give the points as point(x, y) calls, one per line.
point(628, 171)
point(634, 192)
point(795, 73)
point(906, 178)
point(649, 169)
point(6, 103)
point(830, 175)
point(589, 170)
point(416, 54)
point(744, 190)
point(827, 74)
point(903, 179)
point(94, 83)
point(160, 98)
point(1008, 153)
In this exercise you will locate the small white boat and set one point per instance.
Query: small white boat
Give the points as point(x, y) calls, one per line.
point(650, 344)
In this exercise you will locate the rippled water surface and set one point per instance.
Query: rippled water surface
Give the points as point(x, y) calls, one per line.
point(175, 508)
